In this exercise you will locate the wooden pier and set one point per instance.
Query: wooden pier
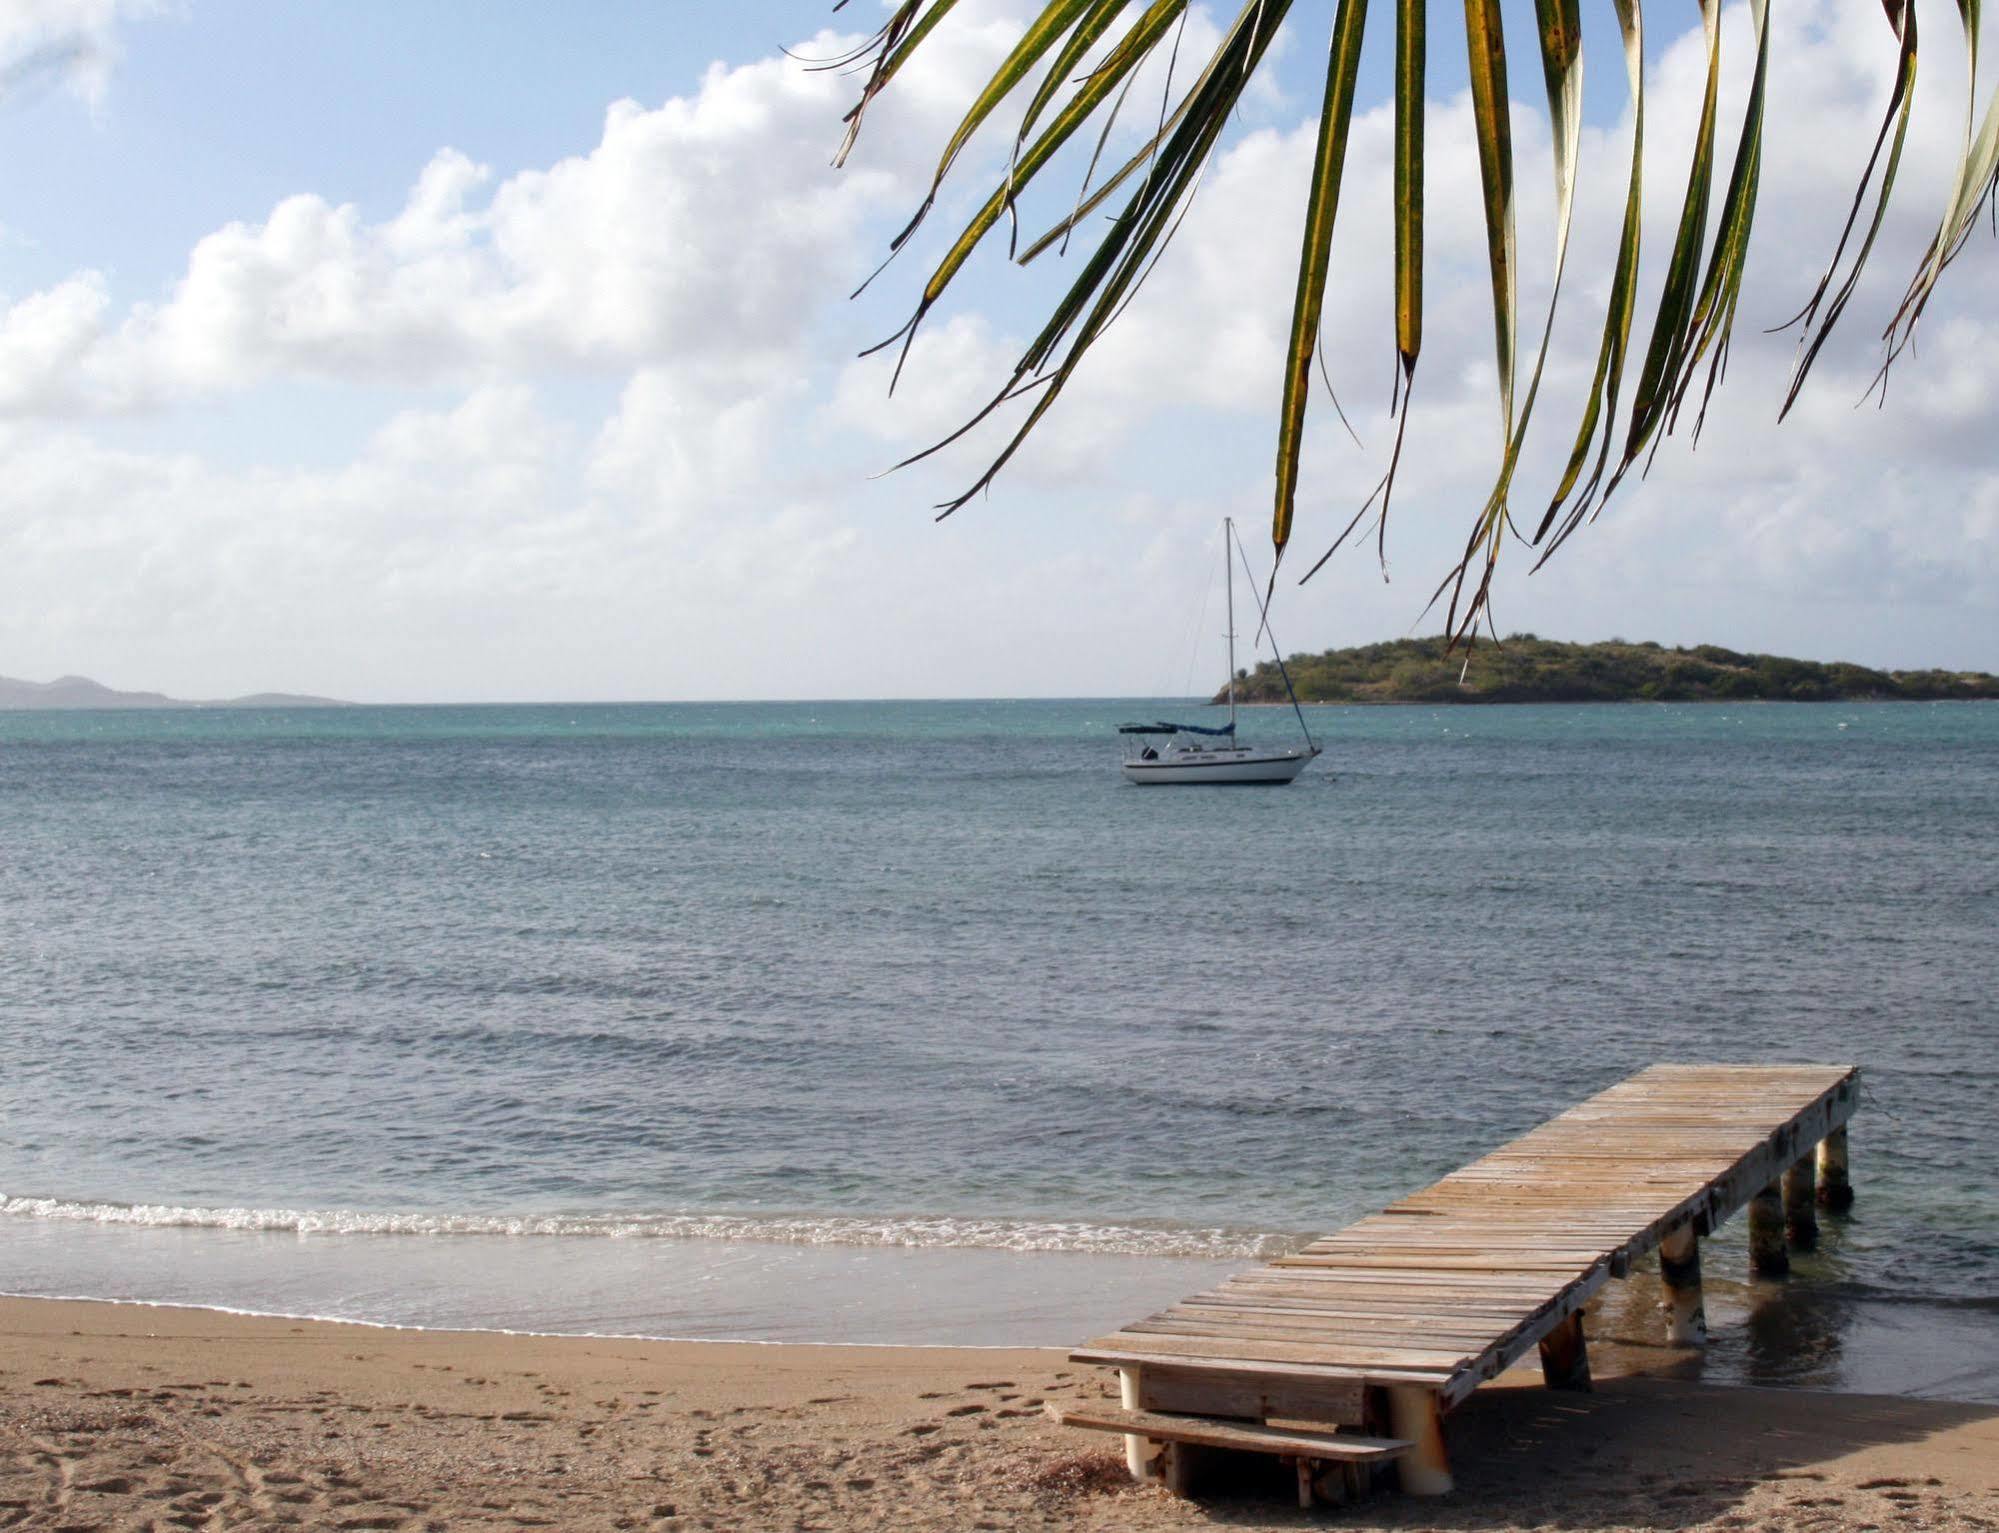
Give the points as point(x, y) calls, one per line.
point(1351, 1353)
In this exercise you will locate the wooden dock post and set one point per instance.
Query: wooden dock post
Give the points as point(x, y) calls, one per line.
point(1680, 1271)
point(1769, 1251)
point(1415, 1416)
point(1565, 1355)
point(1801, 1204)
point(1141, 1454)
point(1835, 1182)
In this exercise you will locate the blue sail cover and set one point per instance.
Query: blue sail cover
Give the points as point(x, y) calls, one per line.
point(1173, 729)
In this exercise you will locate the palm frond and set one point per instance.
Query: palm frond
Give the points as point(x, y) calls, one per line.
point(1076, 62)
point(1328, 164)
point(1608, 380)
point(1812, 338)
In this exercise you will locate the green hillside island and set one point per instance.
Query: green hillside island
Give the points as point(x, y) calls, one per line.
point(1526, 669)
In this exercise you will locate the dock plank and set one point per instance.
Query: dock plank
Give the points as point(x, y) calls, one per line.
point(1229, 1434)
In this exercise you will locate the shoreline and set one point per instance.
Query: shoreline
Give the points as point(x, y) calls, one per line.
point(1821, 1331)
point(117, 1416)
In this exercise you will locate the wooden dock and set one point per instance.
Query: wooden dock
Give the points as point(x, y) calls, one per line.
point(1351, 1352)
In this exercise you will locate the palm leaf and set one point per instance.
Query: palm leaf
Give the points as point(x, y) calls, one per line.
point(1411, 47)
point(1560, 26)
point(900, 36)
point(1055, 23)
point(1082, 57)
point(1328, 162)
point(1902, 17)
point(1485, 43)
point(1968, 188)
point(1130, 52)
point(1977, 179)
point(1605, 385)
point(1714, 311)
point(1671, 324)
point(1119, 264)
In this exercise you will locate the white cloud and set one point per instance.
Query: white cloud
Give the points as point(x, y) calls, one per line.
point(46, 339)
point(707, 226)
point(73, 42)
point(712, 533)
point(483, 550)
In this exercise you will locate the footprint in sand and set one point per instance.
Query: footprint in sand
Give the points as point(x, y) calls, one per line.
point(116, 1485)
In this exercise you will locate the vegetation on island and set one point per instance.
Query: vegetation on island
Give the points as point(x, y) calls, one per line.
point(1527, 669)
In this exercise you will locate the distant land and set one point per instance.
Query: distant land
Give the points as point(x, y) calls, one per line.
point(1526, 669)
point(82, 692)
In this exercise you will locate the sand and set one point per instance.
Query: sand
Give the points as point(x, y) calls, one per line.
point(121, 1417)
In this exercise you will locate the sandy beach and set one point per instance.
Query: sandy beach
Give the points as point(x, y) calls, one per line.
point(125, 1418)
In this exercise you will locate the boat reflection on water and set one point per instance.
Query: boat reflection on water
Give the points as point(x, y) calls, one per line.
point(1817, 1329)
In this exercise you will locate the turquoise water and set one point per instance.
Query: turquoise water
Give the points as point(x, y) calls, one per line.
point(286, 999)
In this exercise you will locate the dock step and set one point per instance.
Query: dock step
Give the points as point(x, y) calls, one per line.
point(1242, 1436)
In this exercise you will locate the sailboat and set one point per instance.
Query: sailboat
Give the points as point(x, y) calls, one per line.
point(1161, 752)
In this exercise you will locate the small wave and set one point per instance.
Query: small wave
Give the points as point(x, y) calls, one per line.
point(917, 1230)
point(1981, 1302)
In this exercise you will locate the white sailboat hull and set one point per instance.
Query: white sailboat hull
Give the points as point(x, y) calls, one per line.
point(1223, 766)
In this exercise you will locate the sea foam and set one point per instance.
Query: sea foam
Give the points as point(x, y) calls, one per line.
point(908, 1230)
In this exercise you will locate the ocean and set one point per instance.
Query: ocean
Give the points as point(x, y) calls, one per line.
point(910, 1022)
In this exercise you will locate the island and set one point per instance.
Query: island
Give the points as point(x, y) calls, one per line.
point(82, 692)
point(1526, 669)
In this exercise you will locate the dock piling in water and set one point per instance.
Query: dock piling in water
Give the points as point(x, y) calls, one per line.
point(1801, 1204)
point(1835, 1180)
point(1769, 1247)
point(1680, 1272)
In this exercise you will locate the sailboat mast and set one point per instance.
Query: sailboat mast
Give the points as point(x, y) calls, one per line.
point(1228, 577)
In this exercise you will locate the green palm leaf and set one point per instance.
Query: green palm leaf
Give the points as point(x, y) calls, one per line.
point(1674, 321)
point(1605, 385)
point(1902, 17)
point(1081, 58)
point(1329, 161)
point(1560, 26)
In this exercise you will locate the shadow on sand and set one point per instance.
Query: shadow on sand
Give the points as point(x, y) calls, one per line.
point(1658, 1453)
point(1659, 1443)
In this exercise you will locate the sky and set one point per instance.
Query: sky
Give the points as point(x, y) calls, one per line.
point(453, 352)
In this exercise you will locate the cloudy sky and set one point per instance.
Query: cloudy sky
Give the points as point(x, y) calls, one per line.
point(447, 351)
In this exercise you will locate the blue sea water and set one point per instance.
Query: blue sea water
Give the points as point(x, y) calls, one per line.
point(910, 1021)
